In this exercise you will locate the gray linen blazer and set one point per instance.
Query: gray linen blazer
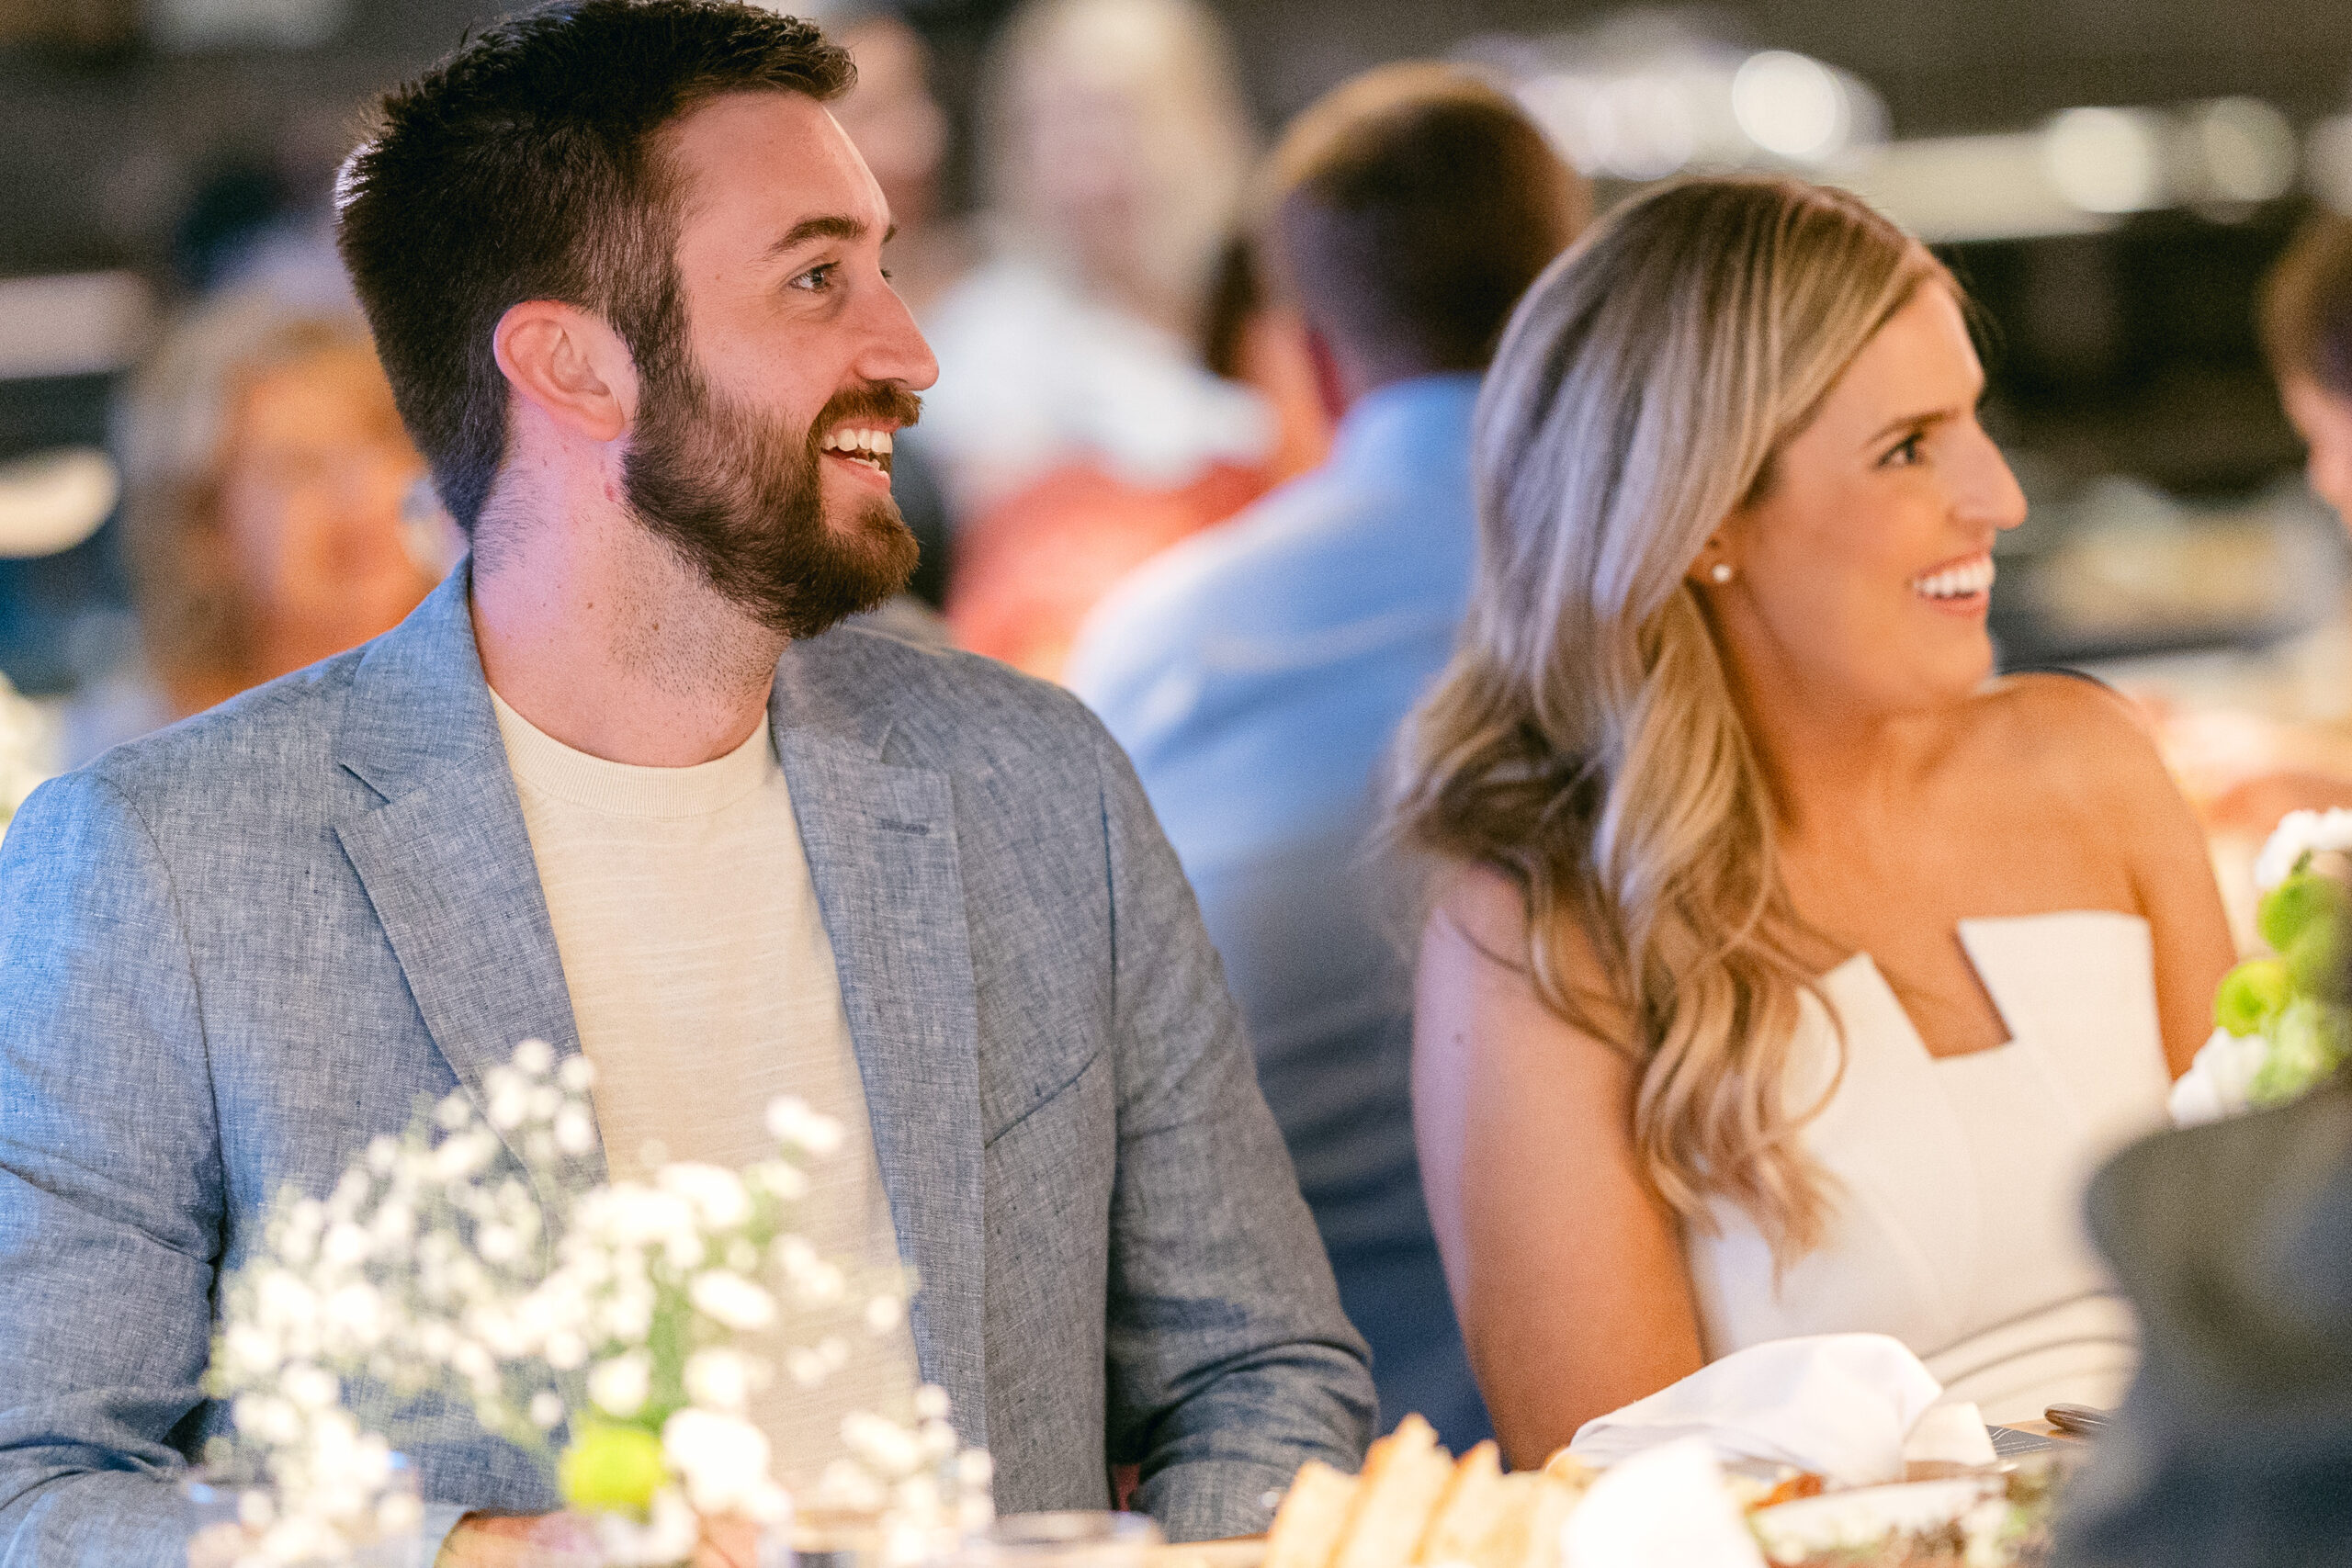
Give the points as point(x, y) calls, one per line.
point(233, 952)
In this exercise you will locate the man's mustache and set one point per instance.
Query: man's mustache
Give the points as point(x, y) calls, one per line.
point(882, 401)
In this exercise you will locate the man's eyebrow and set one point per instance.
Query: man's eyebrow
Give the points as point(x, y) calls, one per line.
point(827, 226)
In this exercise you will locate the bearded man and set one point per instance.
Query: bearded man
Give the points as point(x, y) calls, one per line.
point(616, 786)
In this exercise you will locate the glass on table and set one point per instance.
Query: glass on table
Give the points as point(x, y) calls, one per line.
point(1073, 1540)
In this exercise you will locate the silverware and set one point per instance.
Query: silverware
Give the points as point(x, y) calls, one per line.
point(2082, 1420)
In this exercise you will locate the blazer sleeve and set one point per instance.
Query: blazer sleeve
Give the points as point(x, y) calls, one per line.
point(110, 1187)
point(1230, 1362)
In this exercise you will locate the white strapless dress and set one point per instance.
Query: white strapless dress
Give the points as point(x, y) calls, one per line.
point(1958, 1220)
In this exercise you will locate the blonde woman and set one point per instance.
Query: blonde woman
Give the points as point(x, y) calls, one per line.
point(1786, 972)
point(265, 526)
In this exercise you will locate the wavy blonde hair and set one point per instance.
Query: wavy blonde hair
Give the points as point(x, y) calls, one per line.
point(1584, 739)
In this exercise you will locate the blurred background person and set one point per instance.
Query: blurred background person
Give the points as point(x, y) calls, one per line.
point(2234, 1243)
point(1785, 975)
point(1074, 399)
point(1256, 672)
point(2235, 1444)
point(1028, 572)
point(2307, 334)
point(270, 518)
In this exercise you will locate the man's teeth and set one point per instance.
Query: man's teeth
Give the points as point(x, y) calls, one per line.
point(862, 444)
point(1956, 581)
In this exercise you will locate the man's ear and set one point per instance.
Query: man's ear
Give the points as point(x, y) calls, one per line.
point(1330, 380)
point(569, 364)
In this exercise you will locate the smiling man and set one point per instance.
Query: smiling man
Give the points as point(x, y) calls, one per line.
point(617, 785)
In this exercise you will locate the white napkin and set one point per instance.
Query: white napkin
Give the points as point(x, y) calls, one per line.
point(2217, 1077)
point(1667, 1506)
point(1839, 1405)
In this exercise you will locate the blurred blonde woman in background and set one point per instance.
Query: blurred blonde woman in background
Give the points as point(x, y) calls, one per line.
point(1786, 973)
point(267, 483)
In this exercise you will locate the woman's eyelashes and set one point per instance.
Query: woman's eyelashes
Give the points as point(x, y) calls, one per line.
point(1906, 452)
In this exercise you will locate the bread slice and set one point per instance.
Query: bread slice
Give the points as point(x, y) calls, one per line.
point(1555, 1501)
point(1313, 1515)
point(1404, 1476)
point(1466, 1510)
point(1524, 1523)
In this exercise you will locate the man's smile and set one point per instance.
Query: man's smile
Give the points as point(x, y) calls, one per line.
point(867, 446)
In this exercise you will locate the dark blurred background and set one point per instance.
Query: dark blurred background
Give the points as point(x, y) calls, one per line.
point(146, 145)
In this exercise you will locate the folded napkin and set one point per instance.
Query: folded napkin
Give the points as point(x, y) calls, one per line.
point(1845, 1406)
point(1663, 1508)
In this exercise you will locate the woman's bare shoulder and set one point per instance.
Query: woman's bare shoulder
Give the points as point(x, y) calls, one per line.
point(1482, 912)
point(2076, 734)
point(1485, 908)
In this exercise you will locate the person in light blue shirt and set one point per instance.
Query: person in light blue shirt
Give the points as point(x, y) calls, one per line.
point(1257, 672)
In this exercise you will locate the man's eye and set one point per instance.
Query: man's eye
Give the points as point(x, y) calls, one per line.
point(817, 279)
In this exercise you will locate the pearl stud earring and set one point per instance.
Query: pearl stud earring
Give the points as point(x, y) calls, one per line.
point(1719, 572)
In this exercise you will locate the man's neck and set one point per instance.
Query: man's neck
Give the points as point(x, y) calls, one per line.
point(595, 631)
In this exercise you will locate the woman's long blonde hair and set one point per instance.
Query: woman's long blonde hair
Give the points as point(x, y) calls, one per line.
point(1584, 739)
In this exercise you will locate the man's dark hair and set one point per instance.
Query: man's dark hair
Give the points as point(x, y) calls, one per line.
point(1410, 209)
point(528, 165)
point(2307, 306)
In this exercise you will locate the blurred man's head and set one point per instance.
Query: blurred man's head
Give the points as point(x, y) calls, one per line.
point(2307, 330)
point(629, 230)
point(1407, 211)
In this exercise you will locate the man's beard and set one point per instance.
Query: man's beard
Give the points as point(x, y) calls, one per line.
point(743, 502)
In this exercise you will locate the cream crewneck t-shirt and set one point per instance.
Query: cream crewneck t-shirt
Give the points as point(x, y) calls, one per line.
point(703, 985)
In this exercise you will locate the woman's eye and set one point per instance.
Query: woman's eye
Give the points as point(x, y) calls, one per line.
point(1906, 452)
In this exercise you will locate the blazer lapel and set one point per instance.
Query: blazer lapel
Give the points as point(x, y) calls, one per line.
point(881, 847)
point(446, 861)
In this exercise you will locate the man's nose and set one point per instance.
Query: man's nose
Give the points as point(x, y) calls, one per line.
point(897, 351)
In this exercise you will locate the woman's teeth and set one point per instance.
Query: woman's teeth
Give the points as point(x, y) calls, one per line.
point(871, 448)
point(1956, 581)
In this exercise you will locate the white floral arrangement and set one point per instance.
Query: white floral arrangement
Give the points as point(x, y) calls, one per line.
point(28, 749)
point(2282, 1020)
point(423, 1299)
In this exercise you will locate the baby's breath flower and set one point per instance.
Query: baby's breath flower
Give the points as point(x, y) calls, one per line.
point(723, 1459)
point(619, 1386)
point(575, 1132)
point(720, 1377)
point(733, 1300)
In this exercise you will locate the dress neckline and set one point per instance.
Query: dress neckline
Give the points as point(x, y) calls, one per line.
point(1980, 946)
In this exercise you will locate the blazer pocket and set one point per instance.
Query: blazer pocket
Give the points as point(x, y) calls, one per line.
point(1033, 1103)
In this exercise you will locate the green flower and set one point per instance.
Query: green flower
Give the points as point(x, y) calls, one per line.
point(2316, 962)
point(2305, 902)
point(613, 1468)
point(2252, 995)
point(2309, 1040)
